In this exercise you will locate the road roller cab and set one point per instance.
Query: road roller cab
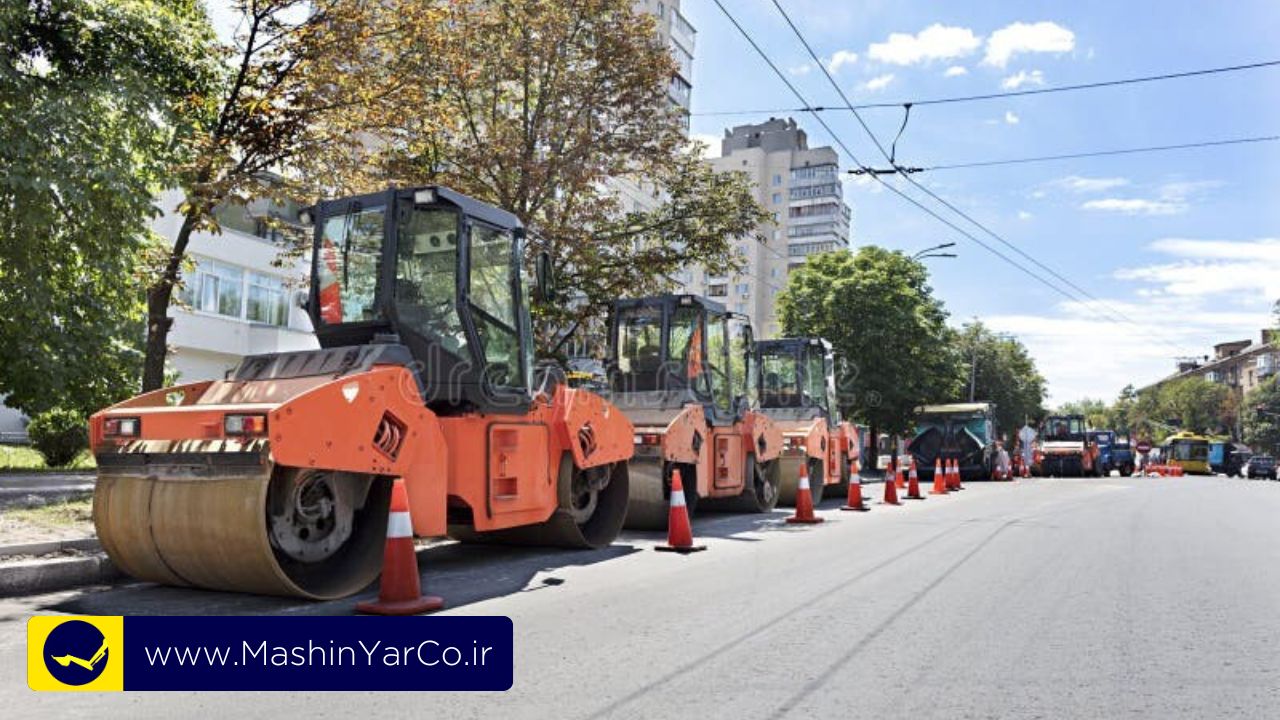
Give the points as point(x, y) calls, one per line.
point(679, 368)
point(277, 479)
point(797, 390)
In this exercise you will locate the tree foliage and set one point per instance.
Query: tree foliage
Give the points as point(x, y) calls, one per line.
point(1260, 416)
point(547, 109)
point(301, 78)
point(878, 310)
point(89, 93)
point(1004, 373)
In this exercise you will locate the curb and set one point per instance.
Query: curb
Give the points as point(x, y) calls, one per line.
point(52, 546)
point(41, 576)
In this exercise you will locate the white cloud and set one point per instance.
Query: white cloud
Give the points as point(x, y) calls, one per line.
point(1024, 215)
point(1135, 206)
point(840, 58)
point(1206, 268)
point(1172, 198)
point(1078, 184)
point(936, 42)
point(878, 83)
point(1011, 118)
point(801, 69)
point(955, 71)
point(1022, 37)
point(1013, 82)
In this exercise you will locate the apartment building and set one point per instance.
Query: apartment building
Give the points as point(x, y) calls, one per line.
point(237, 299)
point(1241, 365)
point(802, 189)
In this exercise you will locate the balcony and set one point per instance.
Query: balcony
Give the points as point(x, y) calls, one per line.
point(682, 32)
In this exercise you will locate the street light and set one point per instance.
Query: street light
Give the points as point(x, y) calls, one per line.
point(928, 252)
point(934, 255)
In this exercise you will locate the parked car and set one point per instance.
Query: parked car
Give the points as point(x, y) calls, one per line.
point(1260, 466)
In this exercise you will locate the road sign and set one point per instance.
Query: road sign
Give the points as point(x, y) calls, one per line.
point(1144, 447)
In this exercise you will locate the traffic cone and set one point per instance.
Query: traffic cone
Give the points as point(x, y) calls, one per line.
point(891, 490)
point(959, 484)
point(679, 531)
point(855, 490)
point(939, 479)
point(400, 590)
point(913, 483)
point(804, 500)
point(898, 477)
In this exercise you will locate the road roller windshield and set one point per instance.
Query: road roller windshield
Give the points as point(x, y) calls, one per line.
point(441, 273)
point(795, 373)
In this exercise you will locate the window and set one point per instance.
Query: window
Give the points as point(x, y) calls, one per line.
point(777, 180)
point(813, 210)
point(720, 290)
point(215, 288)
point(492, 283)
point(426, 272)
point(777, 217)
point(812, 191)
point(743, 288)
point(717, 348)
point(813, 172)
point(777, 197)
point(776, 235)
point(639, 348)
point(350, 258)
point(266, 300)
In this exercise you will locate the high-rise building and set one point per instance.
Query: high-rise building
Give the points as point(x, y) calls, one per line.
point(801, 188)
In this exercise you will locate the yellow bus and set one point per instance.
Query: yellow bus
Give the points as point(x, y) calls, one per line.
point(1188, 451)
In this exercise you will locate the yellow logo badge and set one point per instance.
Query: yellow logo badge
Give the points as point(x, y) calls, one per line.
point(68, 652)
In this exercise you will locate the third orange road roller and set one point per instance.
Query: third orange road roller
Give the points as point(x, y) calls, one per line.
point(277, 479)
point(797, 390)
point(679, 368)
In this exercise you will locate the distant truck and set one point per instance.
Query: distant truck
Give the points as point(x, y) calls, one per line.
point(1228, 458)
point(1065, 448)
point(961, 431)
point(1123, 457)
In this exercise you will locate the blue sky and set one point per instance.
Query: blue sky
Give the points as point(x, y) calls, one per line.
point(1187, 243)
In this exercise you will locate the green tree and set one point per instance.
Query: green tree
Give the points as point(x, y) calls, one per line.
point(301, 78)
point(1193, 404)
point(878, 310)
point(1095, 411)
point(539, 106)
point(1003, 373)
point(1261, 416)
point(90, 91)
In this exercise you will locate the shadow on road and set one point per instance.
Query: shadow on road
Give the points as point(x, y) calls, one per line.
point(461, 573)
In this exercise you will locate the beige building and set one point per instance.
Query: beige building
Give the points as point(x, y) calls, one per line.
point(1241, 365)
point(801, 188)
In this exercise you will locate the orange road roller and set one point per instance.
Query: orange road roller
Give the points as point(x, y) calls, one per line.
point(277, 479)
point(797, 391)
point(679, 367)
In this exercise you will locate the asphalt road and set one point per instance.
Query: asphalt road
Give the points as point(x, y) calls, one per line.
point(1041, 599)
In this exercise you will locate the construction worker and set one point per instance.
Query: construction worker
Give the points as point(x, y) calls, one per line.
point(1026, 442)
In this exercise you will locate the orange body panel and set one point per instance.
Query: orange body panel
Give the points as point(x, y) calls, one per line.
point(503, 466)
point(722, 451)
point(820, 443)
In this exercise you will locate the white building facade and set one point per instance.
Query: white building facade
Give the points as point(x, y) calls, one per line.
point(802, 189)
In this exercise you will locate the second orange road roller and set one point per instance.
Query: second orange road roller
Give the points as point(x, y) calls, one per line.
point(679, 368)
point(797, 390)
point(277, 479)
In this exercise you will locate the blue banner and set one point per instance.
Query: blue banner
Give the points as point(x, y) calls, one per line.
point(318, 653)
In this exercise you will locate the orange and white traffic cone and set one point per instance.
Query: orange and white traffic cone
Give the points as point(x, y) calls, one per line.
point(804, 500)
point(953, 475)
point(939, 479)
point(913, 483)
point(679, 530)
point(899, 479)
point(959, 480)
point(855, 491)
point(400, 590)
point(891, 489)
